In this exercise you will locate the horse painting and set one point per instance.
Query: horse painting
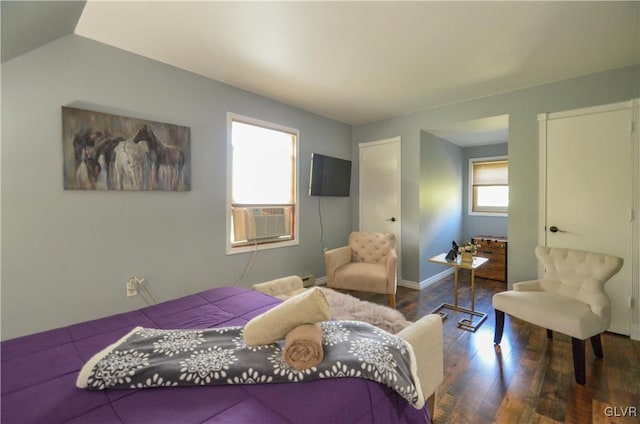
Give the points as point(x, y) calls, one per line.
point(111, 152)
point(84, 169)
point(83, 140)
point(103, 150)
point(168, 160)
point(131, 167)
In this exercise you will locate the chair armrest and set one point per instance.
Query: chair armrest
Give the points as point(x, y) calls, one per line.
point(533, 285)
point(425, 337)
point(334, 259)
point(600, 305)
point(279, 286)
point(392, 271)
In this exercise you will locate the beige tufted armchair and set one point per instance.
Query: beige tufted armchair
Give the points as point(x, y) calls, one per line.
point(368, 263)
point(569, 299)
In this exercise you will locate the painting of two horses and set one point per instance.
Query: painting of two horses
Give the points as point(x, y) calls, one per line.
point(111, 152)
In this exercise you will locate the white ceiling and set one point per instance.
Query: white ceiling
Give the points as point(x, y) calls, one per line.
point(359, 62)
point(354, 62)
point(477, 132)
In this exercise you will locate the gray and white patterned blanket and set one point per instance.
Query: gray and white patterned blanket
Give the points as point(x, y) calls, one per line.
point(149, 357)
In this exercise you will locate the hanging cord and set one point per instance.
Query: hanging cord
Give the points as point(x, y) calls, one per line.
point(148, 291)
point(140, 283)
point(321, 227)
point(249, 264)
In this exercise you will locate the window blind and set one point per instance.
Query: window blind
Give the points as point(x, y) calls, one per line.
point(491, 173)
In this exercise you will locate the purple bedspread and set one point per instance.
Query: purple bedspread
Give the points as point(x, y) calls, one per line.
point(39, 373)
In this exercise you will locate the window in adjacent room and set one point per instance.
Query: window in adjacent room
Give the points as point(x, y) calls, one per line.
point(262, 187)
point(489, 186)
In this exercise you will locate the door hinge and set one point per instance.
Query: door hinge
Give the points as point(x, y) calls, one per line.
point(631, 215)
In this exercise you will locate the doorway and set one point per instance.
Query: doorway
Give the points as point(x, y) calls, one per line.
point(446, 154)
point(587, 192)
point(380, 189)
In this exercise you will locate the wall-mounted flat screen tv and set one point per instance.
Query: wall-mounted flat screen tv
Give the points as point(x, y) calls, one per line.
point(329, 176)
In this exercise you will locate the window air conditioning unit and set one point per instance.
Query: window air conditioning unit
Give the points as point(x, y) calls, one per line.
point(260, 223)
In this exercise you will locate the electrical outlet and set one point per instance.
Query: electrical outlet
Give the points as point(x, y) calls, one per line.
point(132, 287)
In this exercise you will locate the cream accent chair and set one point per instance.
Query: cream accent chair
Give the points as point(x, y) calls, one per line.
point(369, 263)
point(569, 299)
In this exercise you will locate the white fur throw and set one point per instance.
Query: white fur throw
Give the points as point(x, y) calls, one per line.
point(347, 307)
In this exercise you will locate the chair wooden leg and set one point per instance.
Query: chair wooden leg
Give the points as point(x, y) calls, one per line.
point(578, 360)
point(596, 344)
point(497, 336)
point(392, 300)
point(549, 334)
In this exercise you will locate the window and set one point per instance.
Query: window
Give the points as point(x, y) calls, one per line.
point(489, 186)
point(262, 188)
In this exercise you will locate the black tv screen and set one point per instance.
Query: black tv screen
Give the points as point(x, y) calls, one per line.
point(329, 176)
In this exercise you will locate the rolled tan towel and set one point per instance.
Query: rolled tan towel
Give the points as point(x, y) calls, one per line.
point(280, 286)
point(303, 347)
point(306, 308)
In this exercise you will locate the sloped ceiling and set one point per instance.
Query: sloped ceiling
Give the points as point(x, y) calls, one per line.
point(358, 62)
point(27, 25)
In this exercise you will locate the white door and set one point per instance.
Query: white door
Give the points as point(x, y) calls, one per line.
point(589, 192)
point(380, 185)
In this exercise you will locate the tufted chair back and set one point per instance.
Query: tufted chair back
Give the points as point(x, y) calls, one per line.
point(371, 247)
point(578, 274)
point(569, 299)
point(368, 263)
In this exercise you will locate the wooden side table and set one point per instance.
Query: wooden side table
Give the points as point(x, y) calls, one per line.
point(469, 324)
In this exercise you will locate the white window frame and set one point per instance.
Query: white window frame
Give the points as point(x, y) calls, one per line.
point(273, 244)
point(470, 186)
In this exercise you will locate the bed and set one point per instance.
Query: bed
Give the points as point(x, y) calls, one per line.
point(39, 373)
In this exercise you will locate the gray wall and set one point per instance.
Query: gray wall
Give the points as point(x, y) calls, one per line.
point(473, 225)
point(441, 188)
point(66, 255)
point(522, 106)
point(444, 173)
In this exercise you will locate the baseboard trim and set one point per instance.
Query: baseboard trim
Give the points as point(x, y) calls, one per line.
point(635, 332)
point(434, 279)
point(321, 281)
point(426, 283)
point(409, 284)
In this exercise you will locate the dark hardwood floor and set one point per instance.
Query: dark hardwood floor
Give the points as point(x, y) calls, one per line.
point(528, 379)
